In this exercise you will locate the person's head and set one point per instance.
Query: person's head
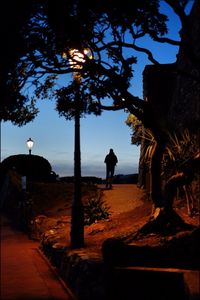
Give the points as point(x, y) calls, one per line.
point(111, 151)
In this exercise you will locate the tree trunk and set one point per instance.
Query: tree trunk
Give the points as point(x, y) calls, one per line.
point(164, 218)
point(155, 171)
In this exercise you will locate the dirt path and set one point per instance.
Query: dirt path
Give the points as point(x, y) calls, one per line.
point(123, 197)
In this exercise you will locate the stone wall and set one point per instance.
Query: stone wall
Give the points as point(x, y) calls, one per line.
point(185, 109)
point(158, 88)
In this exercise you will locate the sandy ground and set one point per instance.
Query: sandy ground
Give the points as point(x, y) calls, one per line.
point(123, 197)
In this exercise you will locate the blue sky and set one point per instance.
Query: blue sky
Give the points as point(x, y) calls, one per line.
point(54, 139)
point(54, 136)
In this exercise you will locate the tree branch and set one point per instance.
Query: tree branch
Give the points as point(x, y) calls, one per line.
point(166, 40)
point(133, 46)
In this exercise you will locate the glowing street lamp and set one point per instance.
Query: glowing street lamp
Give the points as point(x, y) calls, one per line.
point(78, 58)
point(30, 143)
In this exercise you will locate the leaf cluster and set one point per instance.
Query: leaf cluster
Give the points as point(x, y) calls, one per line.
point(181, 148)
point(95, 210)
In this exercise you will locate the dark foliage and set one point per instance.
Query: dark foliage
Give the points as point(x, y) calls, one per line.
point(94, 210)
point(13, 106)
point(33, 166)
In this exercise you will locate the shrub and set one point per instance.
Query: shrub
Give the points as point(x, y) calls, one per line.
point(95, 209)
point(33, 166)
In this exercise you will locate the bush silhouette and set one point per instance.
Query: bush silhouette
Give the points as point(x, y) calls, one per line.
point(34, 167)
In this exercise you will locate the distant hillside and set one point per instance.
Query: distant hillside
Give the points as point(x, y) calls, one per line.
point(86, 179)
point(118, 179)
point(125, 179)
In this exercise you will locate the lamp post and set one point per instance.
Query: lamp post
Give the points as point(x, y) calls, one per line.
point(0, 140)
point(77, 216)
point(30, 143)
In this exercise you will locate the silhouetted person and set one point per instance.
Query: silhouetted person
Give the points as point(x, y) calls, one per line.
point(110, 161)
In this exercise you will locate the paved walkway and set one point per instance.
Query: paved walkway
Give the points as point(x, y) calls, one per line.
point(25, 273)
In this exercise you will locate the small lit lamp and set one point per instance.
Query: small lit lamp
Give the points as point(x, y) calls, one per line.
point(29, 143)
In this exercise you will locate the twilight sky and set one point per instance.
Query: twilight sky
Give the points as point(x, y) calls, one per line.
point(54, 136)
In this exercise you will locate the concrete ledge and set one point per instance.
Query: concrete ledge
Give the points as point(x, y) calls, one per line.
point(154, 283)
